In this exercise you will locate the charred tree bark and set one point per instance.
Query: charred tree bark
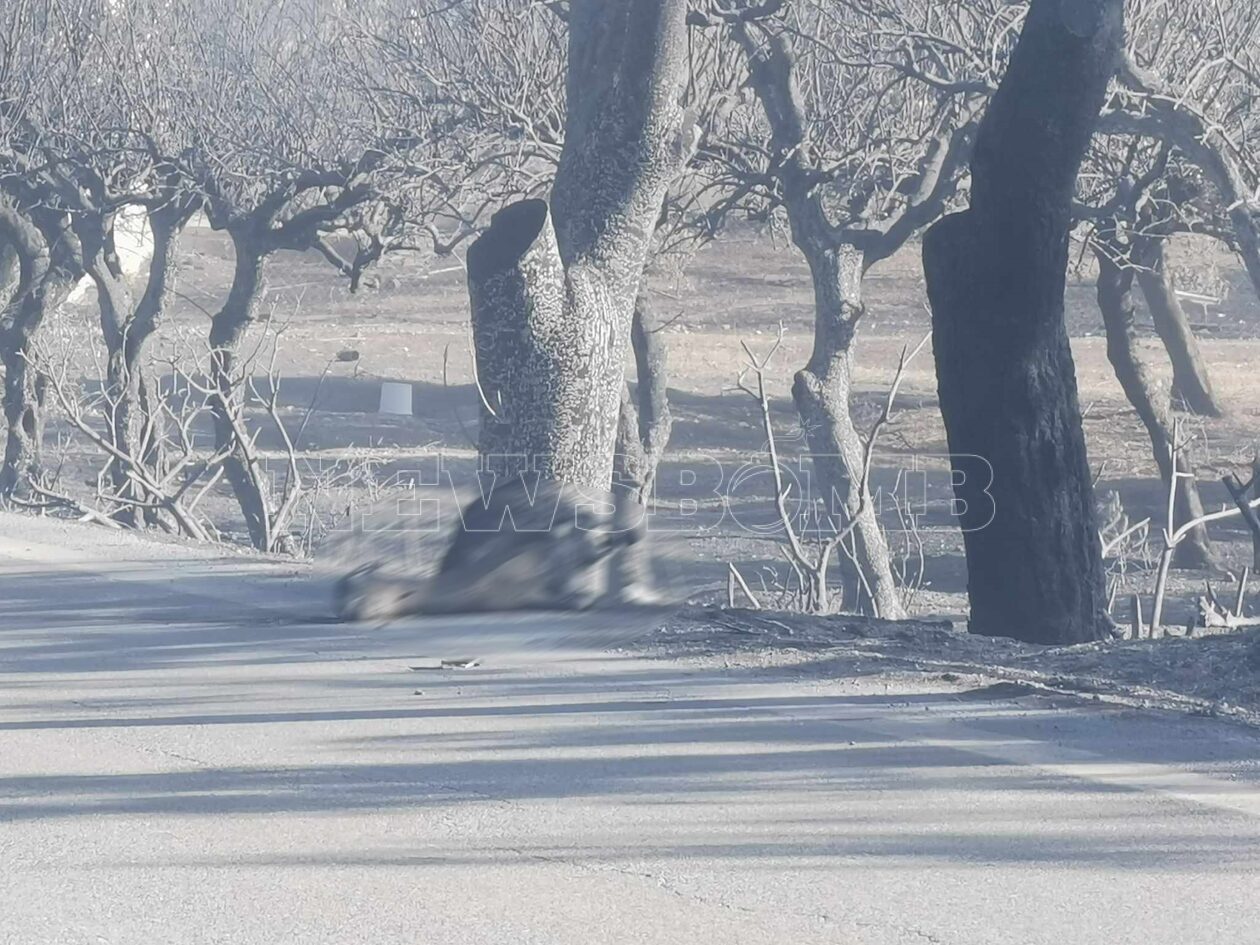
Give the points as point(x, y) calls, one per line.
point(23, 414)
point(538, 363)
point(643, 434)
point(49, 266)
point(553, 287)
point(1243, 496)
point(1191, 383)
point(114, 303)
point(996, 276)
point(1115, 299)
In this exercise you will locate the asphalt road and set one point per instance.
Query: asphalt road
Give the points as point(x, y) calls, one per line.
point(187, 756)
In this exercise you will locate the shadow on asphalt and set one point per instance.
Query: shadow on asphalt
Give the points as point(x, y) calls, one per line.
point(617, 735)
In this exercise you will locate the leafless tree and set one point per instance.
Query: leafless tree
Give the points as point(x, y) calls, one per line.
point(1137, 194)
point(811, 557)
point(502, 64)
point(291, 145)
point(860, 157)
point(110, 149)
point(996, 276)
point(1190, 77)
point(160, 477)
point(41, 64)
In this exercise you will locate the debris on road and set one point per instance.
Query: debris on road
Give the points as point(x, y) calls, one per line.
point(470, 662)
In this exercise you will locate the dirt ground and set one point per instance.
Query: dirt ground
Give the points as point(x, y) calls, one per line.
point(1216, 676)
point(410, 325)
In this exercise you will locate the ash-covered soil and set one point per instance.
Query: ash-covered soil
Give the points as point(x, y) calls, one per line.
point(1215, 675)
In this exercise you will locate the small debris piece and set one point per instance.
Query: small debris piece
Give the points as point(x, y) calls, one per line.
point(464, 663)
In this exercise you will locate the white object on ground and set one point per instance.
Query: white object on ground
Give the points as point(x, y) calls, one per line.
point(396, 398)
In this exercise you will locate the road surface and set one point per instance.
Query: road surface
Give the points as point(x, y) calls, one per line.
point(188, 755)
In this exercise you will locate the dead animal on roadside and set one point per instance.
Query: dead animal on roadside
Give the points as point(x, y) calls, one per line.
point(541, 547)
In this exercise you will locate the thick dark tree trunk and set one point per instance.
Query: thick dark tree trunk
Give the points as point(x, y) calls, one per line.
point(822, 391)
point(24, 417)
point(1115, 299)
point(227, 330)
point(553, 288)
point(1191, 383)
point(49, 266)
point(996, 276)
point(646, 422)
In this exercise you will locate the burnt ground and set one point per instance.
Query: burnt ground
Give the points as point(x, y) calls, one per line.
point(410, 325)
point(1216, 675)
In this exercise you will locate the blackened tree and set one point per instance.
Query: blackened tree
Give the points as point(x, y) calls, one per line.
point(996, 275)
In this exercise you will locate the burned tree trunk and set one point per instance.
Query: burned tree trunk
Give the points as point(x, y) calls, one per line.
point(553, 287)
point(114, 303)
point(1115, 299)
point(542, 359)
point(1243, 496)
point(996, 275)
point(48, 268)
point(1191, 383)
point(166, 224)
point(23, 413)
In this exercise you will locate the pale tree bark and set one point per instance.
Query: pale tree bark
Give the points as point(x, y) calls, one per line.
point(228, 328)
point(553, 287)
point(8, 270)
point(823, 390)
point(1115, 300)
point(838, 258)
point(127, 327)
point(645, 423)
point(1191, 381)
point(996, 276)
